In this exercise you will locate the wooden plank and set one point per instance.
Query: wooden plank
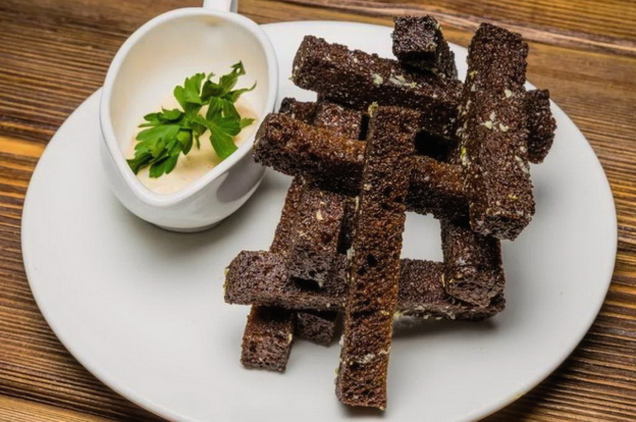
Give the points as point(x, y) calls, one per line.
point(54, 53)
point(17, 410)
point(589, 24)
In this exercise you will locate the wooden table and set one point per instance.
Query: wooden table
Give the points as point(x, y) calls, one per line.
point(54, 53)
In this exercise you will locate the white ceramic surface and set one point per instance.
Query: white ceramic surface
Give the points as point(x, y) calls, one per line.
point(143, 308)
point(158, 56)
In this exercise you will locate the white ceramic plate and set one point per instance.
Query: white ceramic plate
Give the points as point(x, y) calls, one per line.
point(143, 309)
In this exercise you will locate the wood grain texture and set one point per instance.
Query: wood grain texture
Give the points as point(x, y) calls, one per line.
point(54, 53)
point(17, 410)
point(595, 26)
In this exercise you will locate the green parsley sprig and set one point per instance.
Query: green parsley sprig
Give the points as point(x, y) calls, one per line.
point(168, 133)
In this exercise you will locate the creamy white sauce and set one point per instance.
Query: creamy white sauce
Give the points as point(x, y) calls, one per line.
point(199, 161)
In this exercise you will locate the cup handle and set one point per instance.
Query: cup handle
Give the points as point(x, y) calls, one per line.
point(221, 5)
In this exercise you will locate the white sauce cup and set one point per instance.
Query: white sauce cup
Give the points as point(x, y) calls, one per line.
point(155, 58)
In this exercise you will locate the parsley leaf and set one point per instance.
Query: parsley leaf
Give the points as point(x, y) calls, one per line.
point(169, 133)
point(232, 96)
point(188, 95)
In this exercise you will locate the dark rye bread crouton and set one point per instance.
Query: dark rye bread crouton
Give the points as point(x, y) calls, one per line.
point(473, 270)
point(269, 330)
point(301, 110)
point(356, 79)
point(493, 134)
point(379, 219)
point(314, 240)
point(259, 277)
point(437, 188)
point(317, 327)
point(267, 339)
point(284, 229)
point(364, 359)
point(422, 295)
point(421, 292)
point(344, 121)
point(496, 61)
point(293, 147)
point(473, 266)
point(418, 42)
point(541, 124)
point(374, 259)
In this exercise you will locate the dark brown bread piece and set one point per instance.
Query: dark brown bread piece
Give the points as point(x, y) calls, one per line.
point(473, 270)
point(293, 147)
point(418, 42)
point(267, 338)
point(262, 278)
point(437, 188)
point(422, 295)
point(374, 259)
point(356, 79)
point(541, 124)
point(302, 110)
point(378, 225)
point(317, 327)
point(344, 121)
point(364, 359)
point(461, 246)
point(492, 128)
point(284, 230)
point(314, 241)
point(320, 217)
point(421, 292)
point(496, 61)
